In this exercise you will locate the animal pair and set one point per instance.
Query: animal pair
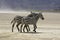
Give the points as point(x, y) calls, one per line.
point(17, 19)
point(27, 20)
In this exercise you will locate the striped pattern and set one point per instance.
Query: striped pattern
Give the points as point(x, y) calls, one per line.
point(30, 19)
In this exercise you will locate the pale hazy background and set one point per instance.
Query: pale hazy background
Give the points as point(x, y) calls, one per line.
point(48, 29)
point(52, 20)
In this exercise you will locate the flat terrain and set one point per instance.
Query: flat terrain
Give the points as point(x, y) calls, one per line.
point(48, 29)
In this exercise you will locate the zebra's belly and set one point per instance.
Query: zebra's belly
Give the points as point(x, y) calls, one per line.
point(29, 22)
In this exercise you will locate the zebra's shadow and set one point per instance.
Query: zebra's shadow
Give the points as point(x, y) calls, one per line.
point(33, 32)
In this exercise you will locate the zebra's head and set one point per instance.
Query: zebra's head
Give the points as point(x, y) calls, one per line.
point(41, 16)
point(37, 14)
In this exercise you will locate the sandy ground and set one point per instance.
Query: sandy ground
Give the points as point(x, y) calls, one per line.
point(49, 29)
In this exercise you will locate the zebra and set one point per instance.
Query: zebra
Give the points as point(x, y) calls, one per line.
point(31, 20)
point(17, 19)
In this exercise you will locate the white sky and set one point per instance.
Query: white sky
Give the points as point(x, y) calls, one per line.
point(14, 11)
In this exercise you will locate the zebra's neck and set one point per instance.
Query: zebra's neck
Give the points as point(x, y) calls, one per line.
point(36, 18)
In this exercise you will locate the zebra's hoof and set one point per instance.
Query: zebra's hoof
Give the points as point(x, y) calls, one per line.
point(34, 31)
point(24, 31)
point(20, 31)
point(29, 29)
point(12, 31)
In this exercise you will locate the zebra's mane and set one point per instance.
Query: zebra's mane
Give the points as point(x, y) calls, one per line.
point(32, 14)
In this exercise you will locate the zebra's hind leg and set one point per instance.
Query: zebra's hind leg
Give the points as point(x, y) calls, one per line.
point(24, 28)
point(21, 27)
point(13, 26)
point(17, 26)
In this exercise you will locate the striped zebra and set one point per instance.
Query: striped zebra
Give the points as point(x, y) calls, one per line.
point(31, 20)
point(18, 19)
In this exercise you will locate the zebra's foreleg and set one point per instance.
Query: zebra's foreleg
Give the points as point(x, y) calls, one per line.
point(17, 26)
point(28, 28)
point(35, 28)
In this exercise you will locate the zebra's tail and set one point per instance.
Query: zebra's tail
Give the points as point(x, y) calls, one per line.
point(12, 21)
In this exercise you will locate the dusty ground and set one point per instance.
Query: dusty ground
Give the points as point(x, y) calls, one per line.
point(49, 29)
